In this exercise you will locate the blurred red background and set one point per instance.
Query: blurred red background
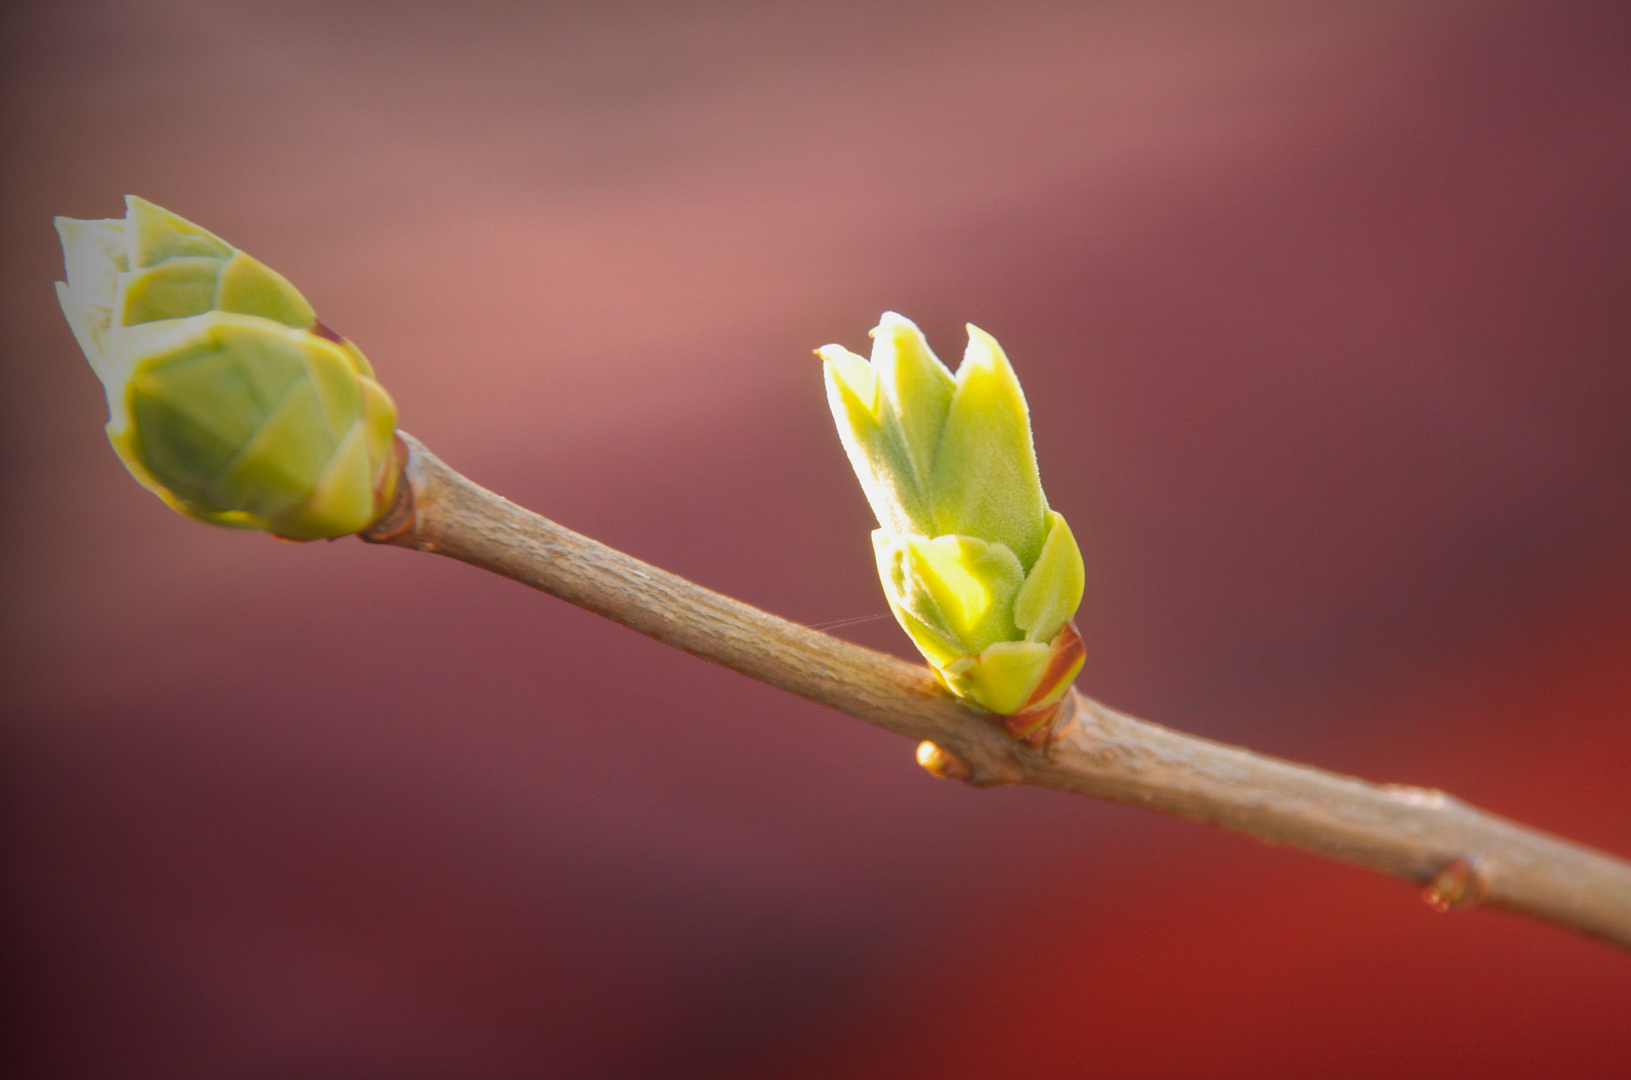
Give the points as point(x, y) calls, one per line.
point(1323, 313)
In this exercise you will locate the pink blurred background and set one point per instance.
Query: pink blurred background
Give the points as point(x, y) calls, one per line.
point(1324, 311)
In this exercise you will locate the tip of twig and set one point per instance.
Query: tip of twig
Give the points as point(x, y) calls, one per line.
point(399, 518)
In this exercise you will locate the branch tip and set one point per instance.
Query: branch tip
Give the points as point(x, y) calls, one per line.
point(400, 519)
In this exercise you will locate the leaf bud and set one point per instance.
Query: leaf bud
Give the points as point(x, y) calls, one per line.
point(226, 397)
point(982, 575)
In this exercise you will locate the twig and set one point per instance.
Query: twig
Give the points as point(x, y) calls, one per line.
point(1461, 855)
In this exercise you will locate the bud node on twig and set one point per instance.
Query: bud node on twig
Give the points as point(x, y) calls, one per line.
point(1459, 886)
point(942, 762)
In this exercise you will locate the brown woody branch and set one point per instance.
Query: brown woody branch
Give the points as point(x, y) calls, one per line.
point(1461, 855)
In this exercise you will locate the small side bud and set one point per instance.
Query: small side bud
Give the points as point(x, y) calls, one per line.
point(942, 763)
point(1457, 887)
point(226, 397)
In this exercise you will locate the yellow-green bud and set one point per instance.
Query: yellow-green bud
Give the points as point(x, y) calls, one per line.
point(982, 575)
point(226, 397)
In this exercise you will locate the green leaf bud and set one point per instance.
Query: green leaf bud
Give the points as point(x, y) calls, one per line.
point(226, 397)
point(982, 575)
